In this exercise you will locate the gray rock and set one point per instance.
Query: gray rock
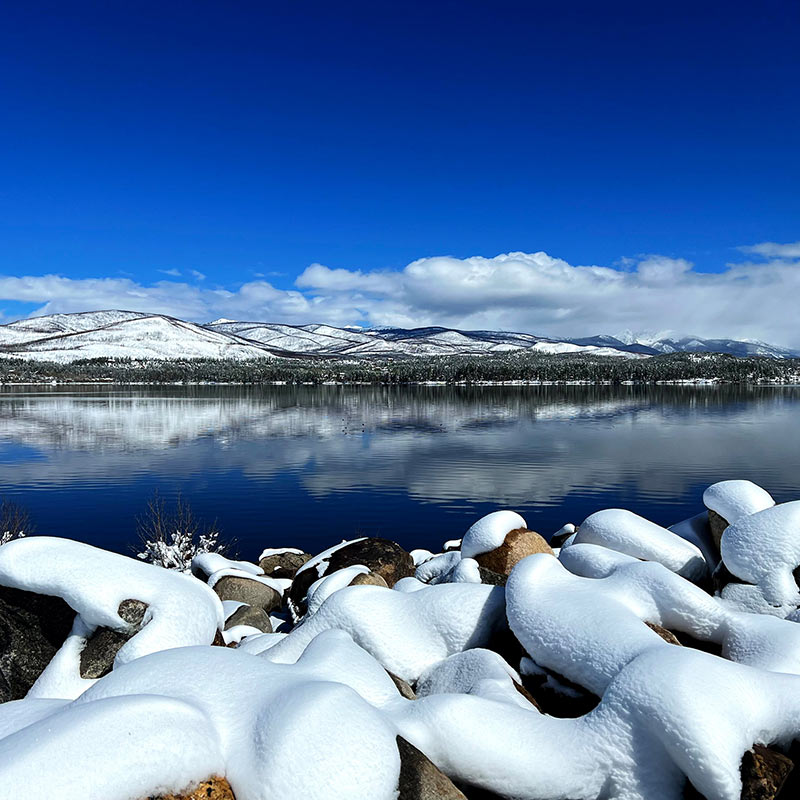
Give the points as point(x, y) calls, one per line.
point(492, 578)
point(97, 658)
point(32, 628)
point(420, 778)
point(250, 615)
point(248, 591)
point(717, 524)
point(283, 565)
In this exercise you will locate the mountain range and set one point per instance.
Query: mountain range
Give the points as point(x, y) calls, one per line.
point(132, 334)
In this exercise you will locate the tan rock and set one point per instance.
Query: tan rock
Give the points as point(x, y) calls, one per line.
point(518, 544)
point(420, 778)
point(369, 579)
point(668, 636)
point(214, 788)
point(404, 687)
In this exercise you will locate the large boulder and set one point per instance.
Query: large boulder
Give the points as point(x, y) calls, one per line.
point(97, 658)
point(518, 544)
point(381, 556)
point(215, 788)
point(250, 591)
point(420, 778)
point(32, 628)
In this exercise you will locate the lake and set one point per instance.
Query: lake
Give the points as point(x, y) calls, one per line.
point(308, 466)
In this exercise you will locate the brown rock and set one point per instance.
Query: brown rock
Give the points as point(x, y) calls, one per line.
point(369, 579)
point(717, 525)
point(97, 658)
point(283, 565)
point(219, 640)
point(215, 788)
point(668, 636)
point(420, 778)
point(382, 556)
point(402, 686)
point(527, 695)
point(764, 771)
point(518, 544)
point(249, 591)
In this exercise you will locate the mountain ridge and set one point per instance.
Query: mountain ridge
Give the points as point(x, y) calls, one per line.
point(116, 333)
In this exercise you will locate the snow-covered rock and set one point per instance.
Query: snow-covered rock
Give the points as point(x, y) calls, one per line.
point(407, 632)
point(489, 532)
point(735, 499)
point(764, 549)
point(181, 609)
point(635, 536)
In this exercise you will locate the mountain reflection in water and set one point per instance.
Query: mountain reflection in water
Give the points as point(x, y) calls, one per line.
point(306, 466)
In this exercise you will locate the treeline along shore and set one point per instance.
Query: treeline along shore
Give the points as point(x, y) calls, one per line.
point(522, 367)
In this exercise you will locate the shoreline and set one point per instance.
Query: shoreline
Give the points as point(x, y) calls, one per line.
point(606, 652)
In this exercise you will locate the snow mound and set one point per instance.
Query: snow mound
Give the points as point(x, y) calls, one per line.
point(119, 749)
point(407, 632)
point(181, 609)
point(764, 549)
point(477, 671)
point(145, 728)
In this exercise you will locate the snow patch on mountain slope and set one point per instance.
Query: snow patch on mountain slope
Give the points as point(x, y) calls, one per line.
point(130, 334)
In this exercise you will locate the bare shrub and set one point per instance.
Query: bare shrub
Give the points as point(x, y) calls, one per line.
point(15, 522)
point(173, 536)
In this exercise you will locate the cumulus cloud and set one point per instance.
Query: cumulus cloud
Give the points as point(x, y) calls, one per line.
point(534, 292)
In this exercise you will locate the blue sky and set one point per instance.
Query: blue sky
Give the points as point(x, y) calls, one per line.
point(197, 158)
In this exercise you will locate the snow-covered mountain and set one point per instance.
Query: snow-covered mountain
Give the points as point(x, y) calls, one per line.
point(131, 334)
point(120, 334)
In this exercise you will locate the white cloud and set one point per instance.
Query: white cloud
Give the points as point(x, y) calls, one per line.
point(175, 273)
point(774, 250)
point(516, 291)
point(197, 275)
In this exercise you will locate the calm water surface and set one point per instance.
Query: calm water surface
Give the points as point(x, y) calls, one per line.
point(307, 466)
